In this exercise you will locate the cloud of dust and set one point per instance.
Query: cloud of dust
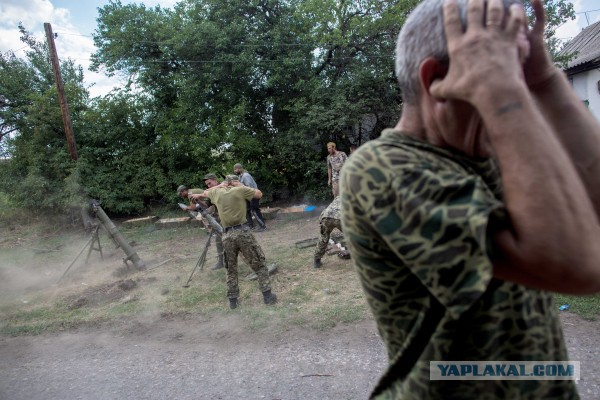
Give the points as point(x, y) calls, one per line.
point(30, 270)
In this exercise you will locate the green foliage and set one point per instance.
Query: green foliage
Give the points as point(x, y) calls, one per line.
point(6, 206)
point(211, 83)
point(29, 110)
point(557, 13)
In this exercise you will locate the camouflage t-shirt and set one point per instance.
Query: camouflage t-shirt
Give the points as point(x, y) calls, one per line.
point(333, 210)
point(418, 220)
point(336, 162)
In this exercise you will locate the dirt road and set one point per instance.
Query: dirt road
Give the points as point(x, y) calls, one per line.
point(219, 359)
point(216, 357)
point(192, 360)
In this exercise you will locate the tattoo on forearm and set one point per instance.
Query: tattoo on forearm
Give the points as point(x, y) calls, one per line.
point(509, 107)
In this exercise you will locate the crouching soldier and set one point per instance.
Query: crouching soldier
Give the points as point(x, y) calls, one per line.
point(329, 219)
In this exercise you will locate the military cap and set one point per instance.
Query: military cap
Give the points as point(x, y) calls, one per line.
point(230, 178)
point(210, 176)
point(181, 189)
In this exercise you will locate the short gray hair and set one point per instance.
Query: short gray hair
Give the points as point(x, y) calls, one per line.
point(423, 36)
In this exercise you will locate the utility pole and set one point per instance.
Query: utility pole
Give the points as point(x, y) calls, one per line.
point(64, 108)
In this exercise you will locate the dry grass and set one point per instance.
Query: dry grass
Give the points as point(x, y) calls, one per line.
point(104, 290)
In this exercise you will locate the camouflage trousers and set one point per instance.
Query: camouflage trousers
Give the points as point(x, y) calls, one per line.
point(327, 226)
point(218, 240)
point(335, 188)
point(236, 242)
point(219, 245)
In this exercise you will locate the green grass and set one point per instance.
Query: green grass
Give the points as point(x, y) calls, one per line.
point(127, 308)
point(588, 307)
point(299, 294)
point(42, 319)
point(303, 300)
point(316, 299)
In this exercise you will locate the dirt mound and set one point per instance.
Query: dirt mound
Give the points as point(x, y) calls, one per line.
point(104, 294)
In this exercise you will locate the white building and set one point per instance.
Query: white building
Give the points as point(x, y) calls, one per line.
point(583, 70)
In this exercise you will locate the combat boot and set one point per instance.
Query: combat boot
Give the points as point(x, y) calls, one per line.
point(219, 264)
point(317, 263)
point(269, 297)
point(233, 303)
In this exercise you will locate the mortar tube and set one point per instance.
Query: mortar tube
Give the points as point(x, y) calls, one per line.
point(116, 235)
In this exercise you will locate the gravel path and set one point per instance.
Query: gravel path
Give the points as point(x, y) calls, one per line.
point(220, 359)
point(192, 360)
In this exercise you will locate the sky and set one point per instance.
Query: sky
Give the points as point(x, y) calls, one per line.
point(75, 20)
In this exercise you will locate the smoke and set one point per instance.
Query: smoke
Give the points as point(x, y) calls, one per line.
point(29, 269)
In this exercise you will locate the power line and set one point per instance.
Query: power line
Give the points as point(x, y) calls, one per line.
point(168, 41)
point(266, 44)
point(172, 40)
point(587, 11)
point(244, 62)
point(14, 51)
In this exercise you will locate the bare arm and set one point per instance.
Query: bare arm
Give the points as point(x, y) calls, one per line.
point(191, 206)
point(576, 128)
point(257, 193)
point(553, 241)
point(199, 196)
point(204, 195)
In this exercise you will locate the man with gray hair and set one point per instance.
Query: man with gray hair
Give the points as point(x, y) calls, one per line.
point(480, 201)
point(253, 206)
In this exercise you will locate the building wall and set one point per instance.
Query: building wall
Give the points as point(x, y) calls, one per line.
point(587, 88)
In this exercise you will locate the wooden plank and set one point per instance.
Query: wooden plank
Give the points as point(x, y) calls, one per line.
point(171, 222)
point(302, 244)
point(252, 276)
point(141, 221)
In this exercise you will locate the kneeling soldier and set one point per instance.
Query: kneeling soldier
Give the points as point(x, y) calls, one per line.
point(329, 219)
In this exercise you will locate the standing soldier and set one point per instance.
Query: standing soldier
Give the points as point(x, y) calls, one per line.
point(184, 191)
point(230, 198)
point(335, 160)
point(252, 206)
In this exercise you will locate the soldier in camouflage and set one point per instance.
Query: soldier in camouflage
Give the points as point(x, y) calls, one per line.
point(335, 161)
point(329, 219)
point(482, 199)
point(230, 198)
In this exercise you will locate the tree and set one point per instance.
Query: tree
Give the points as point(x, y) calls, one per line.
point(213, 82)
point(29, 111)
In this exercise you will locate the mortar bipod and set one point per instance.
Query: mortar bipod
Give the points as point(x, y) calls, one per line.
point(202, 258)
point(94, 239)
